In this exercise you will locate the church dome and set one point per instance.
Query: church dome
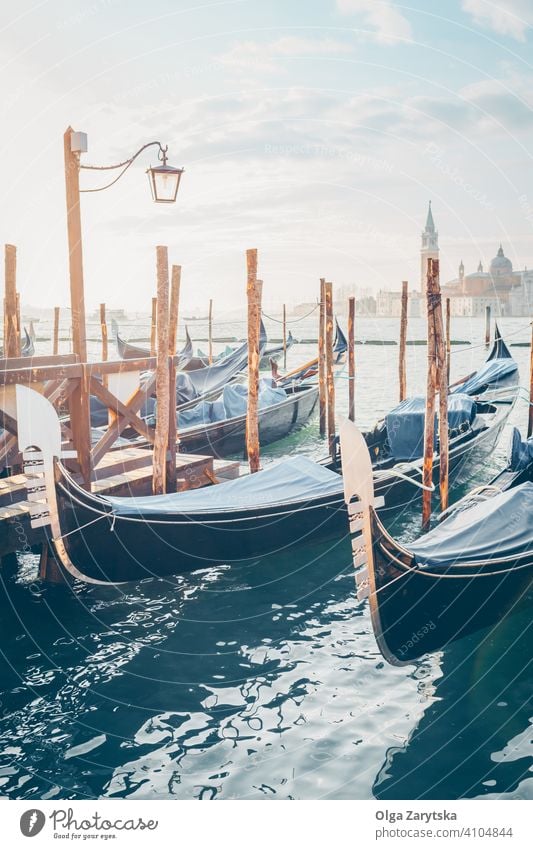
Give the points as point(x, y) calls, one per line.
point(500, 264)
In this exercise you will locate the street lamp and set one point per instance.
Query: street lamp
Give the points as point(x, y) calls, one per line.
point(164, 183)
point(164, 180)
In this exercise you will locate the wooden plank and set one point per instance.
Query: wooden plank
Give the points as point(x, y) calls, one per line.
point(159, 484)
point(115, 429)
point(191, 473)
point(120, 408)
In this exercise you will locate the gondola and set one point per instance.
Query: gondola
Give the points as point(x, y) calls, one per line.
point(113, 539)
point(479, 406)
point(467, 573)
point(127, 351)
point(27, 348)
point(284, 411)
point(276, 351)
point(340, 343)
point(310, 368)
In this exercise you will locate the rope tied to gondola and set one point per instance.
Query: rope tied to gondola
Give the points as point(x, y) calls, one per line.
point(81, 528)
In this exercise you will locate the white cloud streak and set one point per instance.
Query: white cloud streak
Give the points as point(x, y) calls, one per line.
point(382, 16)
point(269, 56)
point(507, 17)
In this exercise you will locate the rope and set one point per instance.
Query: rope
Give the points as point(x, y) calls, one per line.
point(382, 474)
point(75, 531)
point(295, 320)
point(439, 576)
point(482, 344)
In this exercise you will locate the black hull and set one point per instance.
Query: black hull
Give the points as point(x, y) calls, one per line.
point(226, 438)
point(414, 613)
point(398, 493)
point(126, 550)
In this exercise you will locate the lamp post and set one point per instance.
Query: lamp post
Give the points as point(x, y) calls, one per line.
point(164, 184)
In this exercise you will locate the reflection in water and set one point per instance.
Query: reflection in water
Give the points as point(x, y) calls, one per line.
point(476, 737)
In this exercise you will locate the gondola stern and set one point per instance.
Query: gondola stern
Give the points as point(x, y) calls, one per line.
point(360, 500)
point(39, 438)
point(366, 528)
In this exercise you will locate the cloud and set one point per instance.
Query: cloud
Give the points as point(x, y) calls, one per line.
point(513, 19)
point(383, 16)
point(267, 57)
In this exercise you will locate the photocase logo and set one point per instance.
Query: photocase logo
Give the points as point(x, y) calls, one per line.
point(32, 822)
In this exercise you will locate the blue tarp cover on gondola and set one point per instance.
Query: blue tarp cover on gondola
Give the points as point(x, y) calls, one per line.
point(490, 374)
point(502, 526)
point(232, 403)
point(405, 424)
point(520, 452)
point(296, 479)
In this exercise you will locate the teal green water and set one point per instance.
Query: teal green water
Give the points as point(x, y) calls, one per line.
point(261, 680)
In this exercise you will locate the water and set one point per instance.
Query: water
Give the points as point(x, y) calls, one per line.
point(262, 680)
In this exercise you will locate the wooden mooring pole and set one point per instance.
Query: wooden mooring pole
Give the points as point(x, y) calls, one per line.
point(431, 386)
point(530, 413)
point(103, 330)
point(162, 375)
point(487, 326)
point(448, 339)
point(79, 399)
point(284, 337)
point(330, 383)
point(402, 373)
point(153, 328)
point(322, 358)
point(11, 328)
point(442, 373)
point(351, 359)
point(210, 330)
point(55, 345)
point(253, 294)
point(172, 345)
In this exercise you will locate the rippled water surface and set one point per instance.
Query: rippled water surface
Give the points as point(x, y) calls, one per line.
point(262, 679)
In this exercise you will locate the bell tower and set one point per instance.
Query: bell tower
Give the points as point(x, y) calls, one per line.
point(429, 248)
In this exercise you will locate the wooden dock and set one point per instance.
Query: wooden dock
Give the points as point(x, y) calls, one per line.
point(125, 471)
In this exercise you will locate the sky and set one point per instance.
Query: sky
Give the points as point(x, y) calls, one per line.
point(313, 130)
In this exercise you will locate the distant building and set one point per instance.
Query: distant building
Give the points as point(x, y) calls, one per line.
point(429, 249)
point(506, 291)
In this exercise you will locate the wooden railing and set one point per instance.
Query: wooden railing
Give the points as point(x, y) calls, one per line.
point(68, 385)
